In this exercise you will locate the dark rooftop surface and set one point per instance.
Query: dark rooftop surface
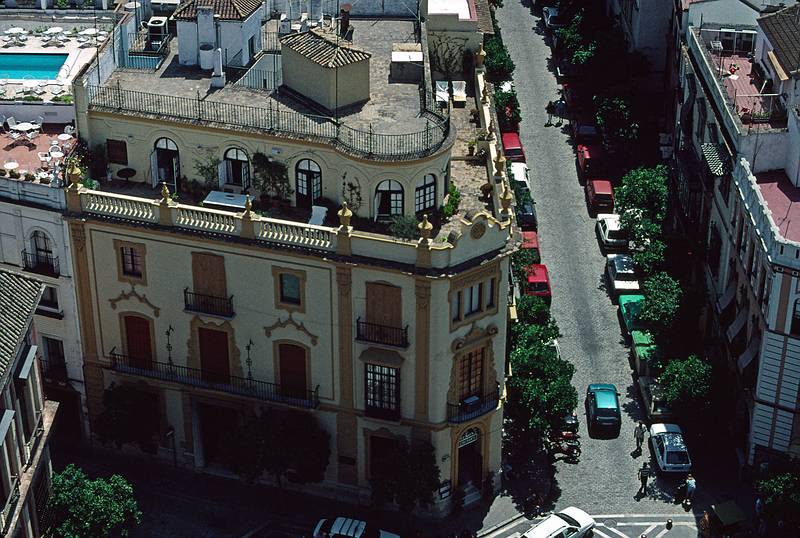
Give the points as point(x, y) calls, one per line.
point(783, 31)
point(19, 296)
point(393, 108)
point(783, 200)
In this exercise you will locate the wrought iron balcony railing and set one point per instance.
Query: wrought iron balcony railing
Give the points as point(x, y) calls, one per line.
point(472, 407)
point(381, 334)
point(196, 377)
point(37, 262)
point(208, 304)
point(54, 370)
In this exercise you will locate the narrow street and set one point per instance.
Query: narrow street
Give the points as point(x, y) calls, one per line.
point(605, 480)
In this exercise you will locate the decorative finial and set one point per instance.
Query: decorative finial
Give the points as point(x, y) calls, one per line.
point(164, 193)
point(248, 205)
point(344, 215)
point(73, 173)
point(492, 130)
point(499, 165)
point(480, 56)
point(506, 198)
point(425, 228)
point(485, 94)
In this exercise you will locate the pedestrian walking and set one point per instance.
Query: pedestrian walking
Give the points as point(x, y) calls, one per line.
point(638, 435)
point(759, 506)
point(561, 110)
point(691, 485)
point(644, 475)
point(550, 109)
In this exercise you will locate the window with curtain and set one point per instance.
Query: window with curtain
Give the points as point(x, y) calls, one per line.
point(237, 167)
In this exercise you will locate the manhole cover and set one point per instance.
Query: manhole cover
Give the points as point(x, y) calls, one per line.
point(610, 523)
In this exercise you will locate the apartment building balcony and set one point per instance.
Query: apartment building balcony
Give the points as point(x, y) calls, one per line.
point(54, 371)
point(735, 86)
point(473, 407)
point(208, 304)
point(229, 384)
point(40, 263)
point(381, 334)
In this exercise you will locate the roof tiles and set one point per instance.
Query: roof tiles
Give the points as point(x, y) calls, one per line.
point(19, 296)
point(324, 48)
point(782, 28)
point(231, 10)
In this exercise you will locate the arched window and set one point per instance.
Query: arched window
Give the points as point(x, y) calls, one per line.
point(795, 329)
point(41, 245)
point(309, 182)
point(166, 143)
point(237, 168)
point(388, 199)
point(425, 194)
point(165, 164)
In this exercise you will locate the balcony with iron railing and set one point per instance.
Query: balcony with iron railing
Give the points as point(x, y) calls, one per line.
point(473, 407)
point(204, 379)
point(55, 370)
point(40, 263)
point(381, 334)
point(208, 304)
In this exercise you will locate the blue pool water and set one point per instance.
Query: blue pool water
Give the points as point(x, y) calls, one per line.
point(37, 66)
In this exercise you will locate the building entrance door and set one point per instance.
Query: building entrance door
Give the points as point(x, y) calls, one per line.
point(470, 459)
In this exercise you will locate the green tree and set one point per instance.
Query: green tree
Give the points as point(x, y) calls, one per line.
point(129, 416)
point(533, 309)
point(84, 508)
point(650, 256)
point(614, 117)
point(499, 65)
point(507, 106)
point(520, 260)
point(532, 338)
point(407, 475)
point(578, 47)
point(781, 496)
point(686, 382)
point(644, 193)
point(662, 299)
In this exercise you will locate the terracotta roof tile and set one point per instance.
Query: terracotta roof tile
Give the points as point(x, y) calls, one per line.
point(783, 31)
point(231, 10)
point(484, 16)
point(324, 48)
point(19, 296)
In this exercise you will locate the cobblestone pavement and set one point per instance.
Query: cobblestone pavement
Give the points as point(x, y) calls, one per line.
point(605, 480)
point(621, 526)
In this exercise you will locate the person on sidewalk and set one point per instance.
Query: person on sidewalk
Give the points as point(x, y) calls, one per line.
point(638, 435)
point(550, 109)
point(644, 475)
point(561, 110)
point(691, 485)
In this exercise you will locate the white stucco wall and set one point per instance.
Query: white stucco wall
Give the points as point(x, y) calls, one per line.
point(187, 43)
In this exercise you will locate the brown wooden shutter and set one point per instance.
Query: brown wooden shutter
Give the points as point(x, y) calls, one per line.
point(138, 342)
point(208, 274)
point(384, 305)
point(214, 355)
point(293, 370)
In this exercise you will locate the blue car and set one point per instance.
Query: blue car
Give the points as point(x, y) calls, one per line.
point(602, 407)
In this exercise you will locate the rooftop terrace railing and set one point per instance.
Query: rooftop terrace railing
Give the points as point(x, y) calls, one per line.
point(367, 144)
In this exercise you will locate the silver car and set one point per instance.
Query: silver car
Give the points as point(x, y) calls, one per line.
point(570, 522)
point(610, 233)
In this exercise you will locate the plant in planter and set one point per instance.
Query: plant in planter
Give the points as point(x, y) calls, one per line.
point(351, 193)
point(28, 176)
point(13, 174)
point(2, 172)
point(271, 177)
point(471, 143)
point(207, 167)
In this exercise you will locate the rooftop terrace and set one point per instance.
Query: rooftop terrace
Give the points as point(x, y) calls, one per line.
point(783, 201)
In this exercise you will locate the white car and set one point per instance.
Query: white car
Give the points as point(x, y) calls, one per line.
point(520, 175)
point(345, 527)
point(551, 18)
point(621, 274)
point(610, 233)
point(568, 523)
point(670, 450)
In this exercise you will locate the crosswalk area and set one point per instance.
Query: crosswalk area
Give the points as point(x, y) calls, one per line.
point(619, 526)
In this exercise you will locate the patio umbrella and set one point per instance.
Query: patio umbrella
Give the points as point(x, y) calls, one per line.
point(89, 31)
point(54, 30)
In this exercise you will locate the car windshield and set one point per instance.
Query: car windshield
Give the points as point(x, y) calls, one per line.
point(677, 457)
point(537, 287)
point(513, 152)
point(626, 276)
point(616, 234)
point(571, 522)
point(605, 198)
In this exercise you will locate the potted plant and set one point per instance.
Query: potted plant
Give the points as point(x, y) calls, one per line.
point(486, 189)
point(28, 176)
point(471, 143)
point(271, 177)
point(13, 174)
point(2, 172)
point(474, 114)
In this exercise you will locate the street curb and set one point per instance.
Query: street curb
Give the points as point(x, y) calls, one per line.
point(500, 525)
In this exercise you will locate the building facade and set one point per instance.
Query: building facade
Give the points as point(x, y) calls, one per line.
point(27, 418)
point(735, 183)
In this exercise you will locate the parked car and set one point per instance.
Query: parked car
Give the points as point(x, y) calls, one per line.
point(592, 162)
point(530, 241)
point(538, 282)
point(669, 448)
point(584, 131)
point(609, 232)
point(599, 196)
point(629, 307)
point(520, 175)
point(572, 522)
point(345, 527)
point(512, 147)
point(578, 101)
point(526, 215)
point(622, 275)
point(602, 407)
point(551, 18)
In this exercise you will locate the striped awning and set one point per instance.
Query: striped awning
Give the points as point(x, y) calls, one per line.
point(737, 324)
point(726, 299)
point(747, 357)
point(717, 159)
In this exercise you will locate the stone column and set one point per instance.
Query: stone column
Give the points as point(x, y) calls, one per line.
point(346, 424)
point(422, 292)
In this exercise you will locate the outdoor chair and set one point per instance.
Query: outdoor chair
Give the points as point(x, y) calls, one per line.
point(459, 92)
point(11, 122)
point(44, 159)
point(442, 92)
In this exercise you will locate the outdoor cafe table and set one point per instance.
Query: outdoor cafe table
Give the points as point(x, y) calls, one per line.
point(225, 201)
point(12, 165)
point(54, 30)
point(24, 126)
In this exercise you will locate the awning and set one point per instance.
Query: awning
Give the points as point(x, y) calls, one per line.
point(25, 365)
point(737, 324)
point(746, 358)
point(384, 357)
point(776, 65)
point(717, 158)
point(725, 300)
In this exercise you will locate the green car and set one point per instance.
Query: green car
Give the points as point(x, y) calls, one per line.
point(602, 408)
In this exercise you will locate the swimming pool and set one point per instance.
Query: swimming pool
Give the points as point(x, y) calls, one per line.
point(36, 66)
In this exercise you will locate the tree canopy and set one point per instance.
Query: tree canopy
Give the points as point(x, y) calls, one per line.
point(407, 475)
point(129, 415)
point(643, 193)
point(84, 508)
point(781, 496)
point(686, 382)
point(662, 299)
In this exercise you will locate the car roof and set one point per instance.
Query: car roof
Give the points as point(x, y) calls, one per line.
point(530, 240)
point(622, 263)
point(345, 526)
point(537, 272)
point(511, 140)
point(661, 427)
point(546, 527)
point(602, 186)
point(611, 220)
point(594, 151)
point(519, 166)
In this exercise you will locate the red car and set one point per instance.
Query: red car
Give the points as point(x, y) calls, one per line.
point(512, 147)
point(530, 241)
point(592, 162)
point(538, 283)
point(600, 196)
point(585, 132)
